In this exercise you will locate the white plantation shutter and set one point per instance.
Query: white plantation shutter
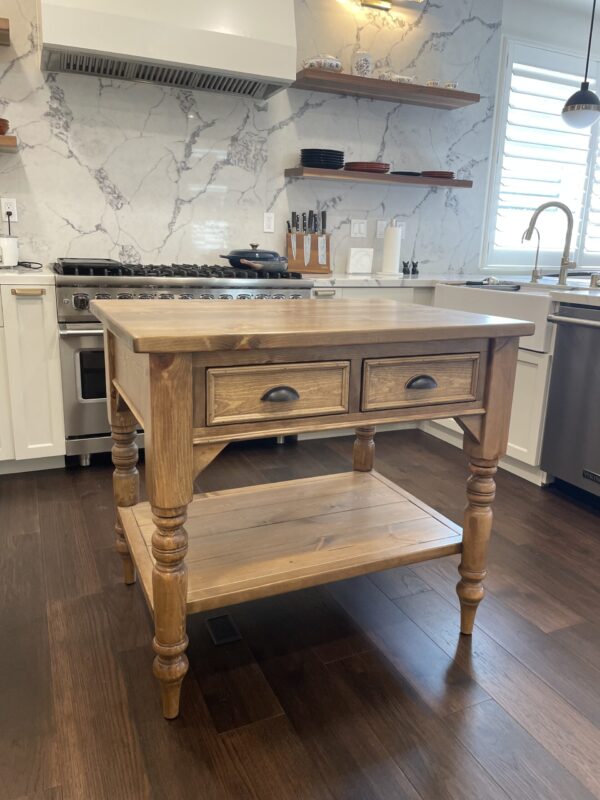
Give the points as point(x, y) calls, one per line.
point(591, 255)
point(541, 159)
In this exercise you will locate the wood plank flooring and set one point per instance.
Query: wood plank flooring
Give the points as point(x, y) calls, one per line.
point(363, 690)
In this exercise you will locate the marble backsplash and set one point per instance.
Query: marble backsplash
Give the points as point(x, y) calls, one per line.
point(156, 175)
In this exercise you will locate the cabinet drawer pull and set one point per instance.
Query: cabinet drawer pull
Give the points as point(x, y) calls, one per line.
point(422, 382)
point(280, 394)
point(28, 291)
point(324, 292)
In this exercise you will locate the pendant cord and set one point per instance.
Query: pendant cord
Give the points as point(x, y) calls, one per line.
point(587, 63)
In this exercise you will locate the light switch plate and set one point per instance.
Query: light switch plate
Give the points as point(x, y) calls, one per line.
point(358, 228)
point(381, 226)
point(269, 222)
point(9, 204)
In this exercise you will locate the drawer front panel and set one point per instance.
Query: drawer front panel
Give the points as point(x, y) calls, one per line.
point(400, 382)
point(278, 391)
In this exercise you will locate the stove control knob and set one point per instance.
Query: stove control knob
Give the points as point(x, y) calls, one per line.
point(81, 301)
point(295, 297)
point(146, 296)
point(207, 297)
point(244, 297)
point(278, 297)
point(186, 296)
point(260, 297)
point(166, 296)
point(124, 296)
point(102, 296)
point(225, 297)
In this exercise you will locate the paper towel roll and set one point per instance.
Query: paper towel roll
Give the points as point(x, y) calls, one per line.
point(392, 246)
point(9, 251)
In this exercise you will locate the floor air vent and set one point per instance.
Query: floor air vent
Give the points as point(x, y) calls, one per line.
point(180, 77)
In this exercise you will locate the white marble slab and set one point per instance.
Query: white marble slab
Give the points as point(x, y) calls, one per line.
point(145, 173)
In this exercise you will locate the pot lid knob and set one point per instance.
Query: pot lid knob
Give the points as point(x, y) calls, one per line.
point(254, 246)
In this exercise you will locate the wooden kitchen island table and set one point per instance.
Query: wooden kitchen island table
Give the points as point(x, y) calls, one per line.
point(197, 374)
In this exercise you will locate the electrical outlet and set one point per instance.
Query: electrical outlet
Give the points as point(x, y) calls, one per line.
point(358, 228)
point(9, 204)
point(269, 222)
point(381, 226)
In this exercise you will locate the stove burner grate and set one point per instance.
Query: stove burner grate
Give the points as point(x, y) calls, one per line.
point(103, 267)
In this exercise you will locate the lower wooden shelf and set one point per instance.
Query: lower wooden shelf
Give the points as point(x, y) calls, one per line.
point(265, 540)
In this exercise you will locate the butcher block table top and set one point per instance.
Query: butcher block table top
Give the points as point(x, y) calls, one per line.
point(198, 374)
point(178, 326)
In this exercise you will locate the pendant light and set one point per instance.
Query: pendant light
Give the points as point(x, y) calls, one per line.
point(582, 110)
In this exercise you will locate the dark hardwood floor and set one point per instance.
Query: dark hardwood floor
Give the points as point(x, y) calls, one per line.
point(363, 690)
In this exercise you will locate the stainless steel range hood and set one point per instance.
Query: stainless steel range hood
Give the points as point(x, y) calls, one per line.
point(242, 47)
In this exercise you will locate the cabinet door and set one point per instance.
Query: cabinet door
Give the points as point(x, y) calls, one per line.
point(528, 409)
point(32, 353)
point(7, 450)
point(376, 292)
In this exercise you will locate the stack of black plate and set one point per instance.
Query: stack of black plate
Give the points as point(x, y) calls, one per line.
point(322, 159)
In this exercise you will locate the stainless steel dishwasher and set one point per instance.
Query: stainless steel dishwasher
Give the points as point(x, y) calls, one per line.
point(571, 448)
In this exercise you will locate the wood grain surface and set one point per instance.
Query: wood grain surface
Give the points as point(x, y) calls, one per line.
point(202, 325)
point(264, 540)
point(369, 694)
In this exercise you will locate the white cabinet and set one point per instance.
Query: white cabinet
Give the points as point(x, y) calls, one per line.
point(528, 410)
point(7, 450)
point(420, 294)
point(34, 382)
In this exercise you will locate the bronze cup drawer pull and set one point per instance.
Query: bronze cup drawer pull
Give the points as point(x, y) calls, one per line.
point(422, 382)
point(280, 394)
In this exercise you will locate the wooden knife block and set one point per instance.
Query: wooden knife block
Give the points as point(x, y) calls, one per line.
point(313, 266)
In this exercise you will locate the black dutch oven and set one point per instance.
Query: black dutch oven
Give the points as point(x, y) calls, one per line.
point(263, 260)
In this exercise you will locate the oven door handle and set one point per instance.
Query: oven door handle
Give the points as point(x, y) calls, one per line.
point(82, 332)
point(582, 323)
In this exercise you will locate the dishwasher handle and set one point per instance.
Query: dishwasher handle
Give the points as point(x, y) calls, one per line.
point(583, 323)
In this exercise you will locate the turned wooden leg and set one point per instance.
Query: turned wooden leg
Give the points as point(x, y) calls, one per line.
point(126, 484)
point(481, 490)
point(364, 449)
point(169, 589)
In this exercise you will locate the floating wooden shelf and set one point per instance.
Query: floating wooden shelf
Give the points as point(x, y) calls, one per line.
point(8, 144)
point(372, 177)
point(4, 31)
point(264, 540)
point(318, 80)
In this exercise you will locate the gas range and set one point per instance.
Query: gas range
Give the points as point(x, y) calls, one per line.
point(81, 280)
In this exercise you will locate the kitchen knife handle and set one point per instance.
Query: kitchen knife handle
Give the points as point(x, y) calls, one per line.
point(280, 394)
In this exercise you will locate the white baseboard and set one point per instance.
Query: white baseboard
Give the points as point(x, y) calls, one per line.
point(525, 471)
point(31, 465)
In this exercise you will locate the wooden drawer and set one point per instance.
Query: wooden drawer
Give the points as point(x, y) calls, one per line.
point(418, 381)
point(241, 394)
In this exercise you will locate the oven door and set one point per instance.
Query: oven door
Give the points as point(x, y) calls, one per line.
point(83, 380)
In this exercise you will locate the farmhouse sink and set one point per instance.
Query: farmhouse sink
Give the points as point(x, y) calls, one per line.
point(532, 303)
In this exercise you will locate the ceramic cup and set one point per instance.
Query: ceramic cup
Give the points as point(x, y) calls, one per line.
point(362, 64)
point(9, 251)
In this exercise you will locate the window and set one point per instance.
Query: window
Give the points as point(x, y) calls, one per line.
point(538, 158)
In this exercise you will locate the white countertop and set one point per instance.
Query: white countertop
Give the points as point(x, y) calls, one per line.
point(22, 275)
point(393, 282)
point(583, 297)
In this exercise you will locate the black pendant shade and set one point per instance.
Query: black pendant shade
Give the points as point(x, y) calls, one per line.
point(582, 109)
